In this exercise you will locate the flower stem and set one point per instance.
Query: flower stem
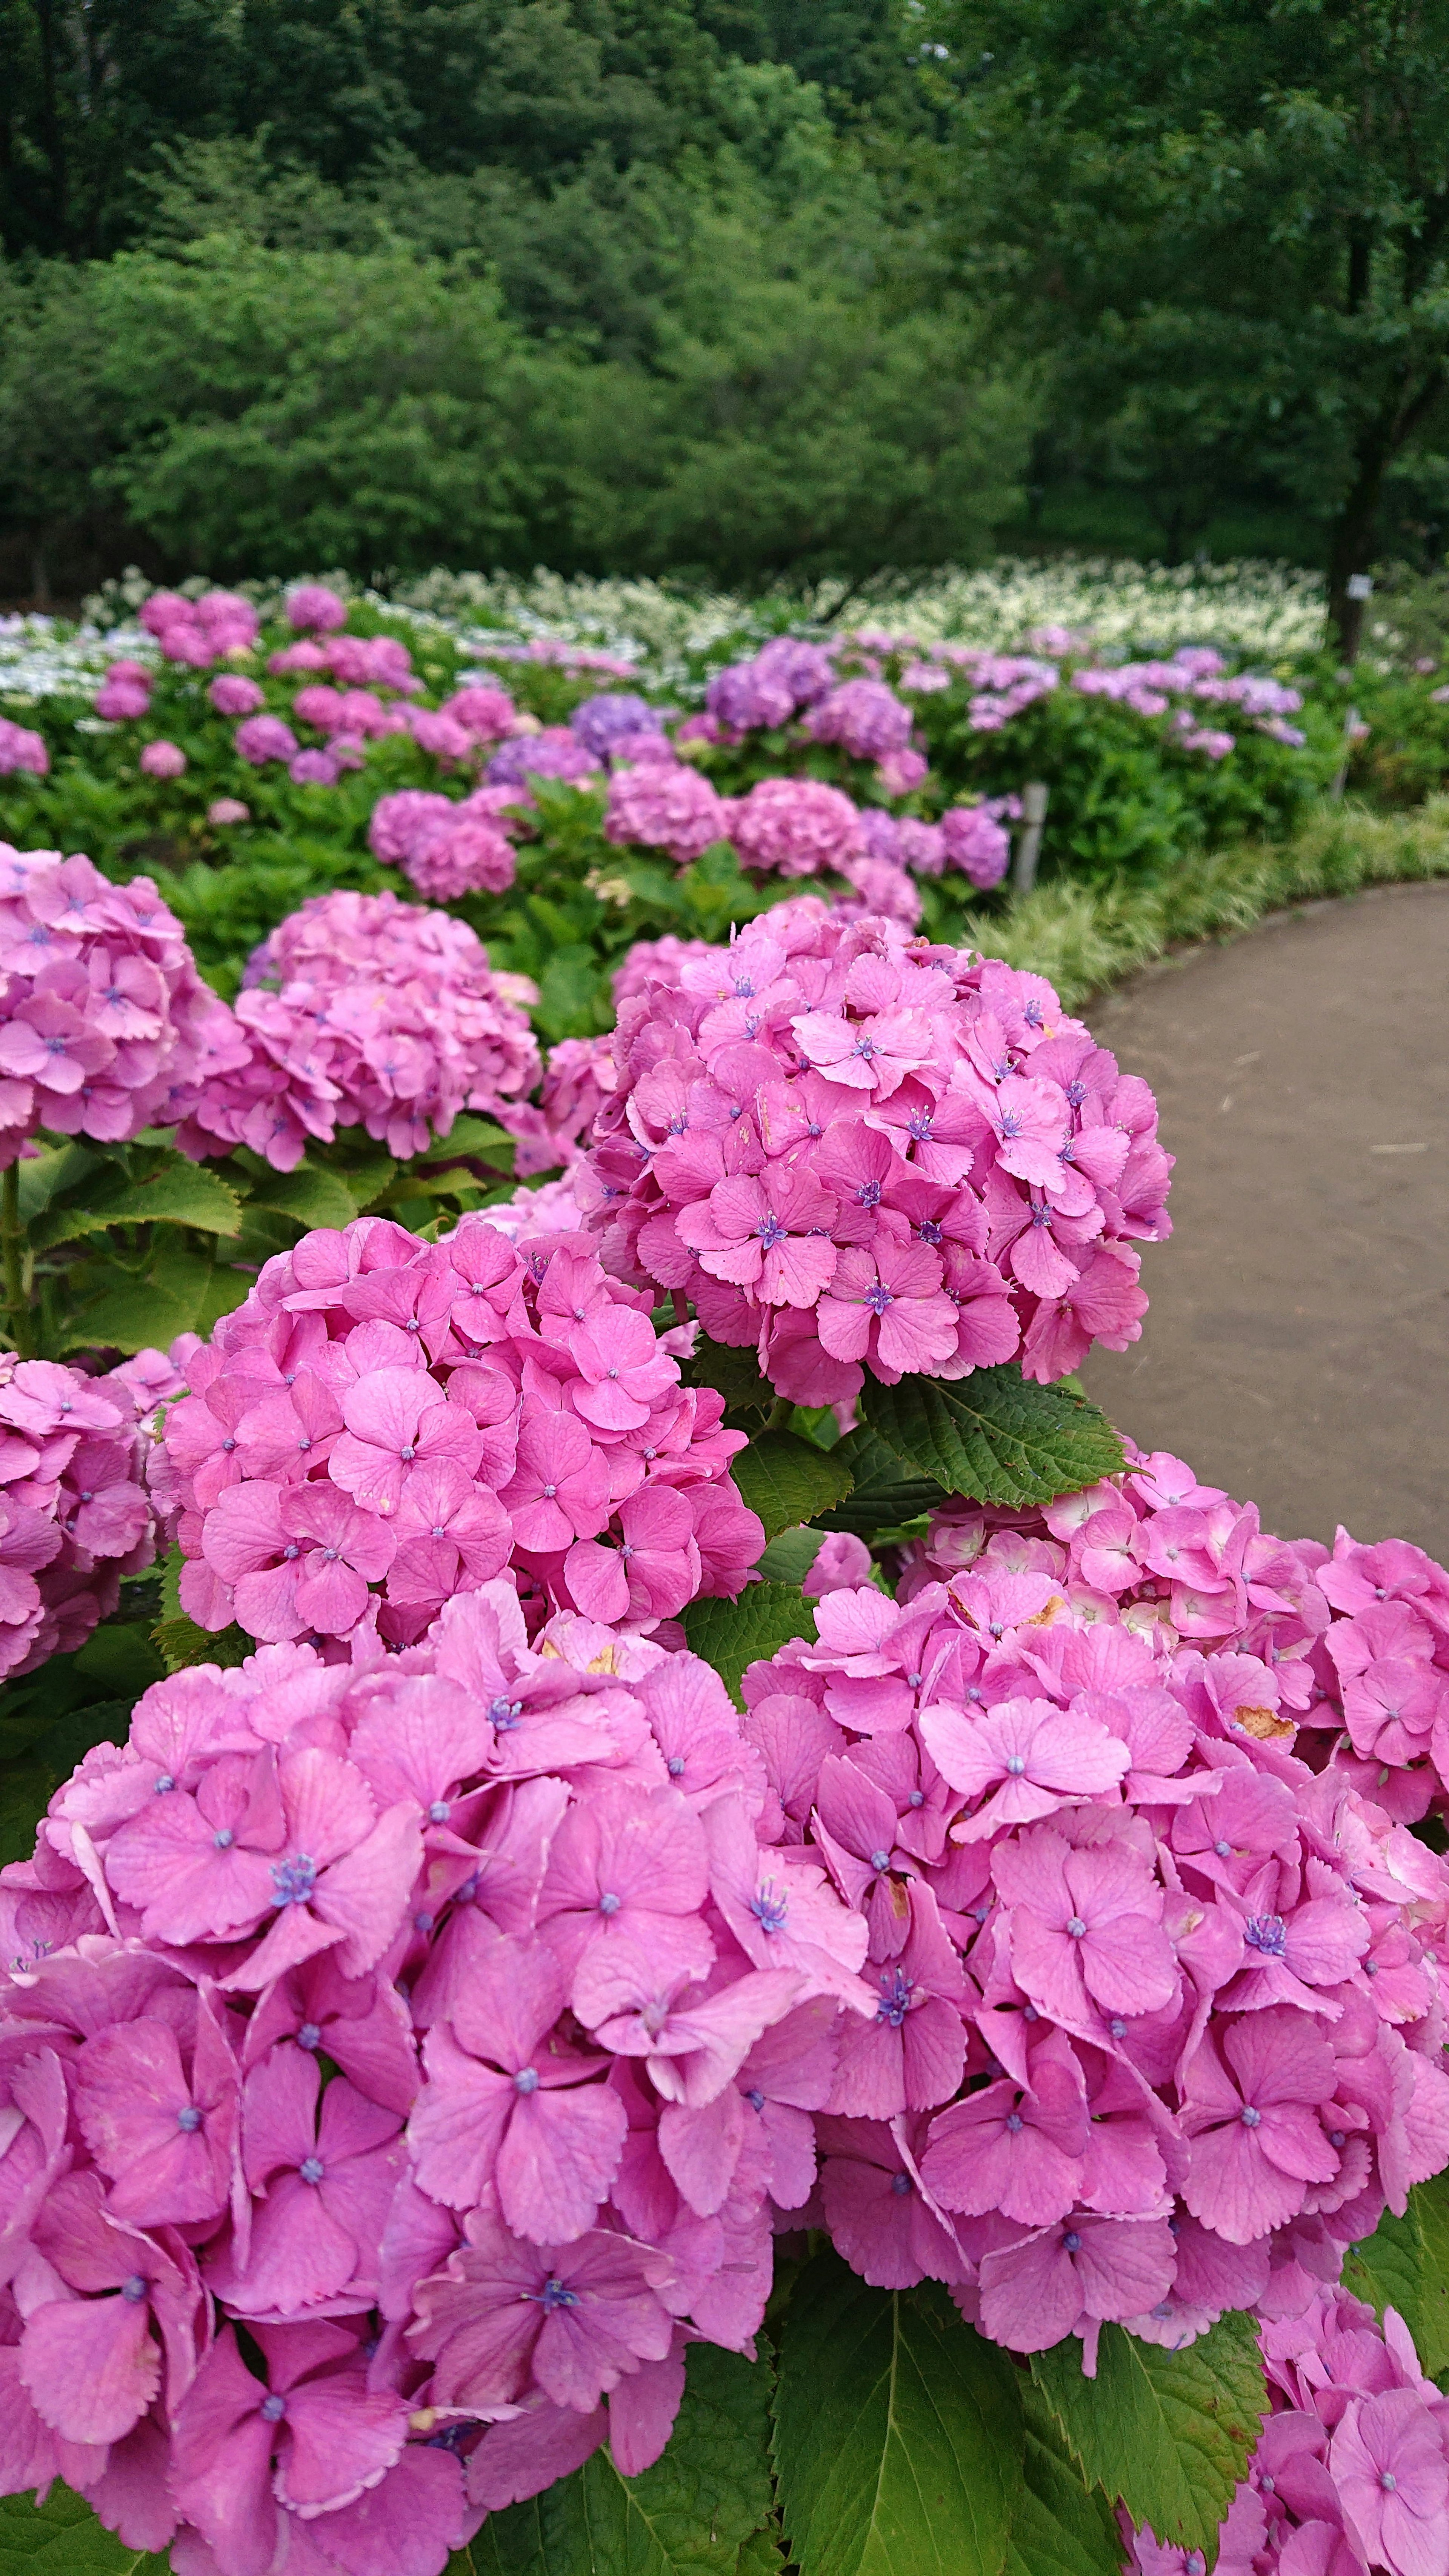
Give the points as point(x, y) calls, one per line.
point(17, 1306)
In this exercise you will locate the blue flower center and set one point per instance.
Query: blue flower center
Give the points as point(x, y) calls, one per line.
point(293, 1880)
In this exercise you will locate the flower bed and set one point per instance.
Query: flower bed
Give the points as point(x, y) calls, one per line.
point(654, 1885)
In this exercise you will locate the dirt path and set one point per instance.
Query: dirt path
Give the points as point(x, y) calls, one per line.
point(1297, 1348)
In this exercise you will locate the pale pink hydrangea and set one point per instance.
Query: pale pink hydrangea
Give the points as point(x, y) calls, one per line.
point(362, 1009)
point(125, 692)
point(200, 632)
point(233, 694)
point(553, 752)
point(854, 1151)
point(104, 1022)
point(865, 717)
point(162, 760)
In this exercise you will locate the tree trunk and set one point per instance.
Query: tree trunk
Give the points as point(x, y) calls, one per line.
point(1352, 548)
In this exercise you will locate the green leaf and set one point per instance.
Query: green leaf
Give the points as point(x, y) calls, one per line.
point(137, 1314)
point(762, 2555)
point(63, 2538)
point(788, 1480)
point(698, 2504)
point(1405, 2265)
point(898, 2432)
point(880, 1497)
point(479, 1136)
point(733, 1373)
point(179, 1193)
point(731, 1635)
point(1060, 2527)
point(121, 1658)
point(1169, 2433)
point(789, 1557)
point(690, 2515)
point(314, 1197)
point(181, 1643)
point(994, 1436)
point(25, 1793)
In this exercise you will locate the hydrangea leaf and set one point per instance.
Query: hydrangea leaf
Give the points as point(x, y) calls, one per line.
point(1060, 2527)
point(789, 1557)
point(1405, 2265)
point(732, 1635)
point(178, 1193)
point(691, 2514)
point(734, 1374)
point(898, 2433)
point(181, 1644)
point(63, 2538)
point(25, 1793)
point(312, 1196)
point(480, 1136)
point(688, 2515)
point(880, 1497)
point(994, 1436)
point(788, 1480)
point(1170, 2434)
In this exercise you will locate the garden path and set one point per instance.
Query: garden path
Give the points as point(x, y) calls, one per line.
point(1297, 1347)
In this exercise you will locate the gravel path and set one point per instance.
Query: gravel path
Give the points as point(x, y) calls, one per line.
point(1297, 1347)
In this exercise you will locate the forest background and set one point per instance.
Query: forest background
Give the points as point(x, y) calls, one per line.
point(741, 291)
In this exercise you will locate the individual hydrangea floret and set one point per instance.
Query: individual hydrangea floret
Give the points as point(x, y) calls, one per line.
point(855, 1151)
point(363, 1010)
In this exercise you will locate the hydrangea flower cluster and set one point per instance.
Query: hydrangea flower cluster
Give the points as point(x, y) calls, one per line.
point(76, 1515)
point(105, 1024)
point(202, 631)
point(125, 692)
point(1349, 1646)
point(968, 837)
point(449, 846)
point(1196, 673)
point(1352, 2469)
point(663, 804)
point(22, 749)
point(1158, 2026)
point(387, 1412)
point(859, 1152)
point(361, 1010)
point(512, 1892)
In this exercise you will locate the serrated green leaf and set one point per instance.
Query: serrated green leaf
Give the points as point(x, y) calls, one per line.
point(1387, 2268)
point(731, 1635)
point(994, 1436)
point(1170, 2434)
point(898, 2432)
point(762, 2555)
point(310, 1195)
point(180, 1193)
point(181, 1643)
point(692, 2511)
point(1405, 2265)
point(1061, 2527)
point(479, 1136)
point(63, 1167)
point(789, 1557)
point(63, 2538)
point(509, 2544)
point(880, 1498)
point(788, 1480)
point(734, 1374)
point(120, 1659)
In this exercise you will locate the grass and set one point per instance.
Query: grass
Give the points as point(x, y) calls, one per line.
point(1084, 937)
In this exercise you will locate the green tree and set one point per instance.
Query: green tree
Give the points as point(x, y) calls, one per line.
point(1227, 221)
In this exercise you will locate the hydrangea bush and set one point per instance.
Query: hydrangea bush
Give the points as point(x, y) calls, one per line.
point(342, 742)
